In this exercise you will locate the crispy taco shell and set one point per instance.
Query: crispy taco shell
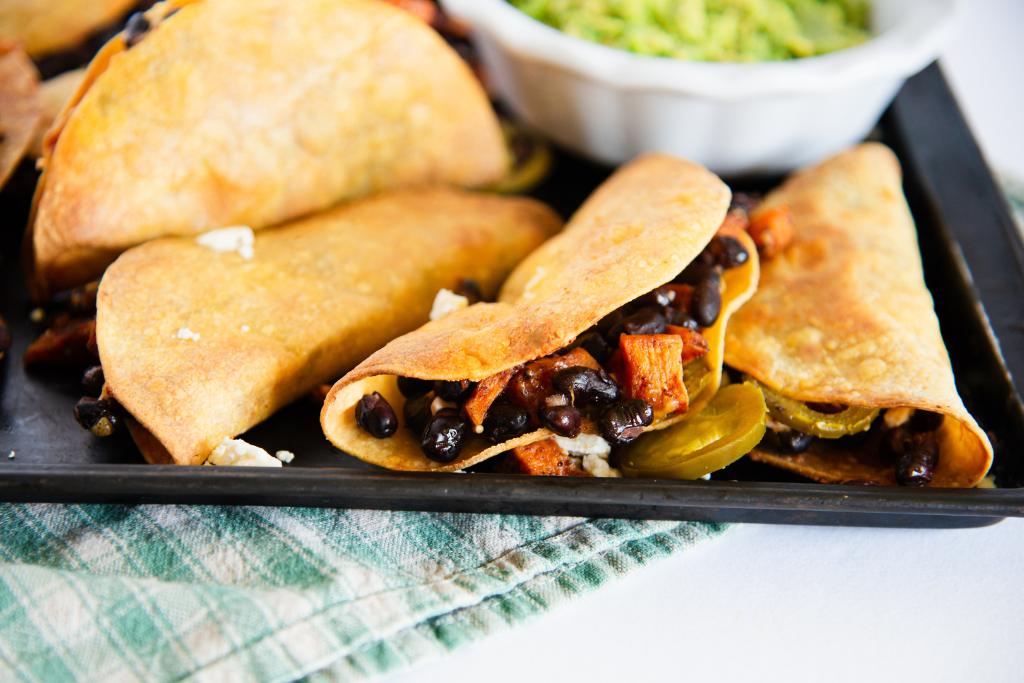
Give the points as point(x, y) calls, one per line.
point(635, 233)
point(199, 345)
point(44, 27)
point(54, 93)
point(843, 316)
point(20, 107)
point(251, 112)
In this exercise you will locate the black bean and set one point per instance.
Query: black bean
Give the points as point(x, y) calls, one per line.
point(624, 422)
point(593, 343)
point(925, 421)
point(793, 441)
point(92, 380)
point(99, 416)
point(443, 436)
point(135, 29)
point(469, 288)
point(416, 412)
point(505, 421)
point(456, 392)
point(916, 467)
point(727, 252)
point(680, 318)
point(644, 321)
point(658, 298)
point(562, 420)
point(610, 321)
point(376, 416)
point(745, 201)
point(698, 271)
point(410, 387)
point(586, 386)
point(707, 300)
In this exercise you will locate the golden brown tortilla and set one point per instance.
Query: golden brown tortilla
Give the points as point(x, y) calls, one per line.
point(54, 93)
point(843, 316)
point(20, 107)
point(47, 26)
point(318, 296)
point(635, 233)
point(251, 112)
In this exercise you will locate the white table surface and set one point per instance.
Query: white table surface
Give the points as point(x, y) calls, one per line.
point(805, 603)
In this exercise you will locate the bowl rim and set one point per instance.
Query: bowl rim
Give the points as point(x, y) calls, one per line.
point(893, 54)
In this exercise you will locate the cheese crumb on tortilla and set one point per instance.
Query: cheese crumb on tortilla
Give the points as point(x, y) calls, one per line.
point(239, 453)
point(446, 302)
point(239, 239)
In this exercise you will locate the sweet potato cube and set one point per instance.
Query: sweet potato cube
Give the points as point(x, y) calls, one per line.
point(771, 229)
point(486, 393)
point(652, 370)
point(542, 458)
point(694, 343)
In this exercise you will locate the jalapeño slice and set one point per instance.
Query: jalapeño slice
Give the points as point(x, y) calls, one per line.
point(728, 428)
point(801, 417)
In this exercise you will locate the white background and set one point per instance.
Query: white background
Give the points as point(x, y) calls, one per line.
point(803, 603)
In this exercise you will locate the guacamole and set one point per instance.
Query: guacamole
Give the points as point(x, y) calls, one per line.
point(710, 30)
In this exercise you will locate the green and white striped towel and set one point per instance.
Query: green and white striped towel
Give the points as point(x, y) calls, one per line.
point(153, 593)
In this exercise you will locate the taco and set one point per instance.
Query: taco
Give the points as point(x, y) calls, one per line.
point(20, 107)
point(253, 112)
point(44, 27)
point(200, 339)
point(844, 340)
point(612, 328)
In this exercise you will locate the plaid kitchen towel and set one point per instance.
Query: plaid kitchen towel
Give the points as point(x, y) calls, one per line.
point(152, 593)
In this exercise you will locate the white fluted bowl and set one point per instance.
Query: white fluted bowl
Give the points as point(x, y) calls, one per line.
point(766, 117)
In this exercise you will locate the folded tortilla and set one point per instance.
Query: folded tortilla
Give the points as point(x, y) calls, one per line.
point(251, 112)
point(199, 345)
point(20, 107)
point(638, 231)
point(55, 93)
point(843, 316)
point(47, 26)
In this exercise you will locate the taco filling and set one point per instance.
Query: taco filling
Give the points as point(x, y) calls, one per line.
point(842, 338)
point(612, 328)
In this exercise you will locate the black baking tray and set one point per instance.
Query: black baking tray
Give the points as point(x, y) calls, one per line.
point(974, 266)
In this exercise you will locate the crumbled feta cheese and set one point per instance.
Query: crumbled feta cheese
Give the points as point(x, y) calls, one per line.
point(239, 239)
point(446, 302)
point(585, 444)
point(185, 333)
point(599, 467)
point(594, 450)
point(896, 417)
point(707, 477)
point(241, 453)
point(245, 328)
point(10, 456)
point(285, 456)
point(440, 404)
